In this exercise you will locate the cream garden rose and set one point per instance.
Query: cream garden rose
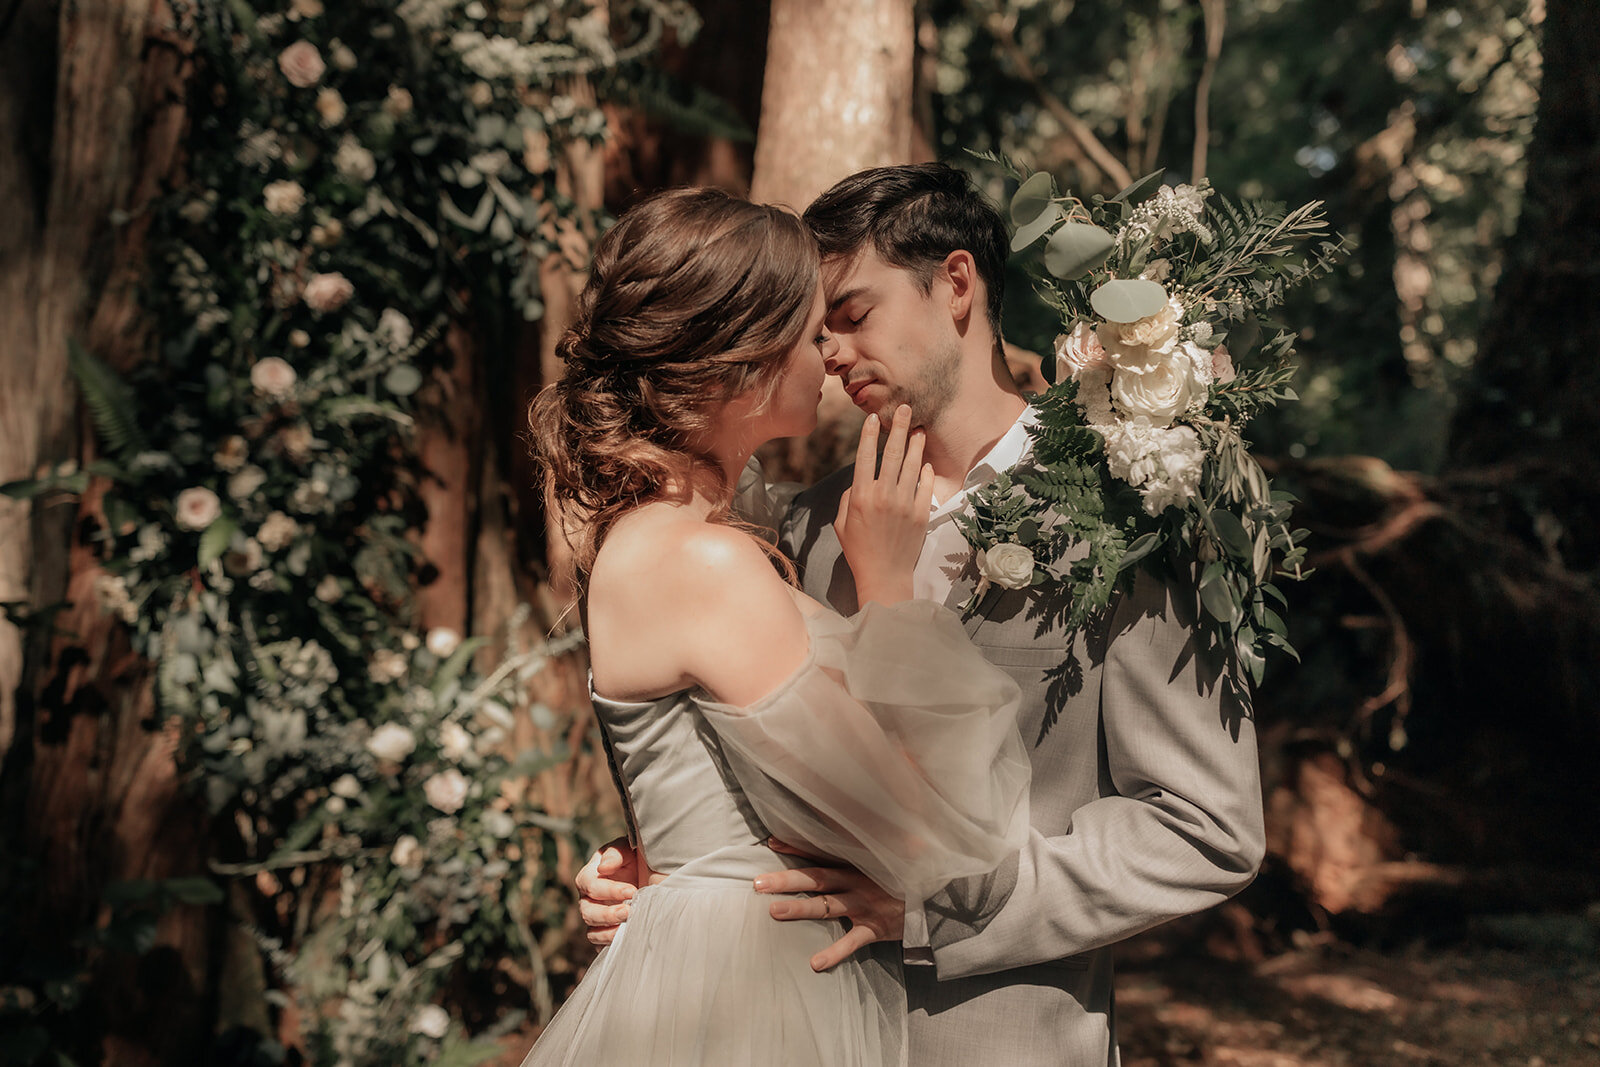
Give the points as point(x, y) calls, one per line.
point(446, 790)
point(277, 532)
point(391, 742)
point(302, 64)
point(355, 162)
point(1078, 351)
point(328, 292)
point(273, 377)
point(1008, 565)
point(284, 197)
point(197, 508)
point(407, 853)
point(331, 107)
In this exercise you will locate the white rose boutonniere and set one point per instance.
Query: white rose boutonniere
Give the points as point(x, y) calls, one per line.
point(1008, 565)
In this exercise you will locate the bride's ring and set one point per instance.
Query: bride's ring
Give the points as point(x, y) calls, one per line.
point(827, 907)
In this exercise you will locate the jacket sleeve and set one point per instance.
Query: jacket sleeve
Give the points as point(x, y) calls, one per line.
point(1179, 830)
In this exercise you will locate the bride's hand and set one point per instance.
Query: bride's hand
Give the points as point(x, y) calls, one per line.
point(883, 516)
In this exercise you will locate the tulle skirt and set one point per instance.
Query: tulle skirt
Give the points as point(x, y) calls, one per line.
point(702, 974)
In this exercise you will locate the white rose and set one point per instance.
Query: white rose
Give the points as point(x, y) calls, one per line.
point(354, 162)
point(331, 106)
point(244, 484)
point(442, 641)
point(1165, 390)
point(328, 292)
point(197, 508)
point(299, 338)
point(277, 531)
point(446, 790)
point(391, 742)
point(431, 1021)
point(407, 852)
point(273, 377)
point(454, 741)
point(302, 64)
point(1008, 565)
point(284, 198)
point(1078, 351)
point(347, 786)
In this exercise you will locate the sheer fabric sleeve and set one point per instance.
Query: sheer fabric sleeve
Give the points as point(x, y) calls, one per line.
point(894, 748)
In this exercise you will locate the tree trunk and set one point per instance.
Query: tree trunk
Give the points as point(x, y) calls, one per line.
point(837, 96)
point(90, 781)
point(1539, 365)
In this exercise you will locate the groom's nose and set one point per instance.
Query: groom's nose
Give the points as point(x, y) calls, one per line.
point(839, 356)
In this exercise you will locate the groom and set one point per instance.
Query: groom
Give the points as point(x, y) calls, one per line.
point(1146, 799)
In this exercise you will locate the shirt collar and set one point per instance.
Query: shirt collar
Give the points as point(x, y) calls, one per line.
point(1002, 456)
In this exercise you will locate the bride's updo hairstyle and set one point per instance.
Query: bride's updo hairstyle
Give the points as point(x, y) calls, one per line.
point(694, 297)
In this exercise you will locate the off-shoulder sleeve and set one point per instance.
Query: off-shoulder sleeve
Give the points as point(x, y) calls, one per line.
point(894, 748)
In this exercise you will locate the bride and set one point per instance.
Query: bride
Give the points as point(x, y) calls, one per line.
point(734, 708)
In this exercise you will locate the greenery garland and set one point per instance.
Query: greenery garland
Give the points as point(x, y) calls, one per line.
point(357, 173)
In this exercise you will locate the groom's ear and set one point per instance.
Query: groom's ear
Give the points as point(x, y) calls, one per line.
point(961, 271)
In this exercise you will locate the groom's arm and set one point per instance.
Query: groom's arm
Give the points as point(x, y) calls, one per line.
point(1183, 831)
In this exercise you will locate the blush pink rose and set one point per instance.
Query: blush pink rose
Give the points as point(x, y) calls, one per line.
point(302, 64)
point(1079, 351)
point(1222, 365)
point(328, 292)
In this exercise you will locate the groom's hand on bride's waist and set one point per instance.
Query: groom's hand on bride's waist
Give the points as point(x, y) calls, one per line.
point(605, 886)
point(840, 893)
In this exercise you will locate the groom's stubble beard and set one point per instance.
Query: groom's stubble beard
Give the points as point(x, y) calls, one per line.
point(930, 394)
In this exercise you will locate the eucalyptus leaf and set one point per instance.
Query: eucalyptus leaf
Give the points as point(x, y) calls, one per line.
point(1218, 600)
point(1231, 532)
point(403, 379)
point(1031, 198)
point(1142, 546)
point(1128, 299)
point(214, 542)
point(1030, 232)
point(1076, 249)
point(1139, 189)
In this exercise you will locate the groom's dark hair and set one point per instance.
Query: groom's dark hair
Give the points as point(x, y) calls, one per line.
point(914, 216)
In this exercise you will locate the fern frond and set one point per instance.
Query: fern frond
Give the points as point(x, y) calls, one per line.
point(110, 401)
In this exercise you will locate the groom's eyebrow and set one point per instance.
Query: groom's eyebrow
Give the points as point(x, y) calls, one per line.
point(845, 297)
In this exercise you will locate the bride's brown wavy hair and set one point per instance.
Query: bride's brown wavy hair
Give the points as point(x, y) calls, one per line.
point(694, 298)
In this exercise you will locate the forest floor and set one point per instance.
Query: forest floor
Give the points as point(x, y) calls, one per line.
point(1329, 1004)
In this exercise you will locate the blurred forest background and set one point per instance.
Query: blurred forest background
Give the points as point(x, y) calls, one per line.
point(297, 760)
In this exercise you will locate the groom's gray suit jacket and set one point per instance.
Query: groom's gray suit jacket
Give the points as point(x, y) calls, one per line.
point(1146, 805)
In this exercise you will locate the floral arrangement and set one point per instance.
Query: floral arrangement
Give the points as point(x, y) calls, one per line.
point(1165, 355)
point(357, 173)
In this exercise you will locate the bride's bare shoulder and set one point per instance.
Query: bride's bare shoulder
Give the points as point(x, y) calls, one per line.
point(658, 549)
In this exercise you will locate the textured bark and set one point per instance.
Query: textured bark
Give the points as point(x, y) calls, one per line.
point(837, 96)
point(92, 119)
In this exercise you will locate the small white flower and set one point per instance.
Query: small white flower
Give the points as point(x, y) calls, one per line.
point(442, 641)
point(446, 790)
point(454, 741)
point(328, 589)
point(354, 161)
point(431, 1021)
point(1007, 564)
point(305, 9)
point(407, 852)
point(152, 542)
point(386, 666)
point(273, 377)
point(347, 786)
point(391, 742)
point(499, 824)
point(302, 64)
point(277, 532)
point(394, 329)
point(299, 338)
point(111, 591)
point(342, 56)
point(243, 485)
point(197, 508)
point(328, 292)
point(335, 805)
point(331, 106)
point(231, 453)
point(284, 197)
point(398, 101)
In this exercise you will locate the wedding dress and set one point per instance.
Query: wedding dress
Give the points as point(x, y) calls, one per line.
point(894, 748)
